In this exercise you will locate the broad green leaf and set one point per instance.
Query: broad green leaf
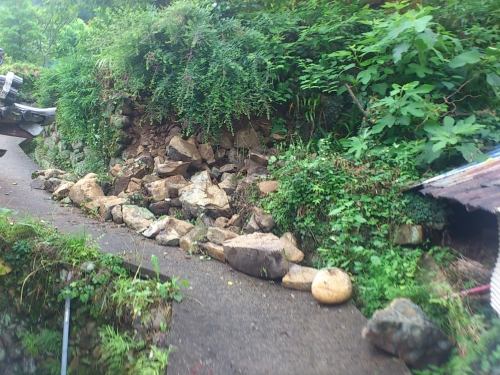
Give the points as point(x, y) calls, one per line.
point(414, 109)
point(404, 120)
point(493, 79)
point(471, 153)
point(424, 89)
point(448, 122)
point(464, 128)
point(427, 154)
point(399, 50)
point(470, 120)
point(380, 88)
point(419, 70)
point(365, 76)
point(469, 57)
point(359, 219)
point(421, 23)
point(381, 124)
point(448, 85)
point(433, 127)
point(492, 51)
point(439, 146)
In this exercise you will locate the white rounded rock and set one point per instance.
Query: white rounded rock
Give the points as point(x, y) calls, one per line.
point(331, 286)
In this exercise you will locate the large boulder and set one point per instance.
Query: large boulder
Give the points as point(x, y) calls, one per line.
point(137, 218)
point(181, 150)
point(166, 188)
point(331, 286)
point(299, 278)
point(205, 198)
point(257, 254)
point(85, 190)
point(404, 330)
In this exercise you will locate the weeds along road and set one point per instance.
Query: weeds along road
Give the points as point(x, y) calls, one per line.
point(249, 327)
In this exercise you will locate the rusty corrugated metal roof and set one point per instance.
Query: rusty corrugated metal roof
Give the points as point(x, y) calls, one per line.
point(475, 185)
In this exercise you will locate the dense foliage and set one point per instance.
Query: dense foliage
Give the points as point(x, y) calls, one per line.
point(33, 261)
point(349, 209)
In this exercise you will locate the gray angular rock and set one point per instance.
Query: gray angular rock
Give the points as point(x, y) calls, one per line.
point(137, 218)
point(39, 183)
point(193, 239)
point(215, 251)
point(251, 226)
point(168, 238)
point(264, 220)
point(218, 236)
point(402, 329)
point(166, 188)
point(53, 183)
point(160, 208)
point(258, 254)
point(299, 278)
point(228, 168)
point(181, 150)
point(205, 198)
point(229, 185)
point(259, 158)
point(221, 222)
point(172, 168)
point(409, 235)
point(207, 153)
point(63, 190)
point(254, 168)
point(166, 225)
point(117, 215)
point(107, 204)
point(292, 252)
point(201, 177)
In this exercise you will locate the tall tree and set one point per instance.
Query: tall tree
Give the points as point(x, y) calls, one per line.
point(20, 29)
point(53, 16)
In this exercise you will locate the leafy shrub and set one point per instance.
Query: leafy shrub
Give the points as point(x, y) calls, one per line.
point(425, 209)
point(349, 208)
point(73, 85)
point(210, 71)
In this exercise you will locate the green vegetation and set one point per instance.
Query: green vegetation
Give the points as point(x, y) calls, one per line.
point(39, 260)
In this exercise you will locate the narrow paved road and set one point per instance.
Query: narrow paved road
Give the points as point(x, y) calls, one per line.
point(251, 327)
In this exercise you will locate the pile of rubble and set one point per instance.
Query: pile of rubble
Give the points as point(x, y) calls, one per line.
point(187, 198)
